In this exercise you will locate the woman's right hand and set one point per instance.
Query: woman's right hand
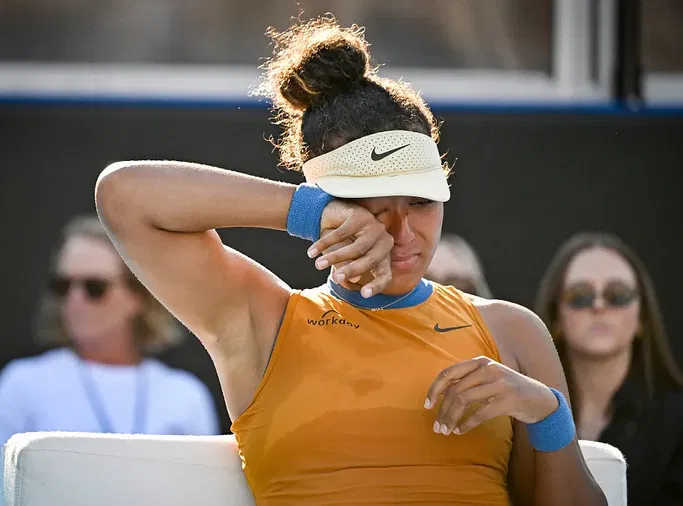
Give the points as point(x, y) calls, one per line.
point(356, 244)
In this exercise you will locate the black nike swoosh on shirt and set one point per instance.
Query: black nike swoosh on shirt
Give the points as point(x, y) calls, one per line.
point(380, 156)
point(448, 329)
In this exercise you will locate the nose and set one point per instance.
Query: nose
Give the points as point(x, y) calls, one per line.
point(599, 305)
point(75, 296)
point(400, 229)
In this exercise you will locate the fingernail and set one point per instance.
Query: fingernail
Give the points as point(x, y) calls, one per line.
point(456, 431)
point(436, 427)
point(354, 280)
point(427, 404)
point(444, 430)
point(366, 292)
point(322, 264)
point(312, 252)
point(340, 277)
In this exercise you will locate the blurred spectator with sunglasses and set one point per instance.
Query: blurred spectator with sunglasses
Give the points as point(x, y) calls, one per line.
point(101, 377)
point(455, 263)
point(599, 303)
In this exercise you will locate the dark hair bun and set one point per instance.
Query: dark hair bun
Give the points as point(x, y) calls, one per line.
point(316, 61)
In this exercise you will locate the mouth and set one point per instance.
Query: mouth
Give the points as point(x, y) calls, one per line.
point(404, 262)
point(600, 327)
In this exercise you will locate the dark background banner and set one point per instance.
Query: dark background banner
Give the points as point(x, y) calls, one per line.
point(523, 182)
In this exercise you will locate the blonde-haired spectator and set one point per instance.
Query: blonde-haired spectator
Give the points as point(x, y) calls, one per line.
point(456, 263)
point(100, 377)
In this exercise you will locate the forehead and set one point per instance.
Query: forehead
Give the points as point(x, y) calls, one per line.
point(84, 256)
point(599, 265)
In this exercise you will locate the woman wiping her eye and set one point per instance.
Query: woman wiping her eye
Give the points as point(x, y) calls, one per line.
point(379, 387)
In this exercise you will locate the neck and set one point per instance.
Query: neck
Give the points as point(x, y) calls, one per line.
point(597, 380)
point(415, 296)
point(112, 350)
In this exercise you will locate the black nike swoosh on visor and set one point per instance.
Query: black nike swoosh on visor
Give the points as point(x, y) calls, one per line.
point(380, 156)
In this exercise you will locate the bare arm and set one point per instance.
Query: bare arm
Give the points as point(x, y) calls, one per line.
point(561, 477)
point(518, 388)
point(161, 216)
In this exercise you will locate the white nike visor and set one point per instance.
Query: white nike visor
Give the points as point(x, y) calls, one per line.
point(385, 164)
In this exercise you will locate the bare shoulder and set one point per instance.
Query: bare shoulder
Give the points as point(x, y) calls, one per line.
point(513, 317)
point(521, 336)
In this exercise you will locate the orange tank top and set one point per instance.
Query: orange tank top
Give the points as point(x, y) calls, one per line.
point(339, 416)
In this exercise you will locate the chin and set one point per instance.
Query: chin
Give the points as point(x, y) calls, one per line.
point(84, 336)
point(602, 351)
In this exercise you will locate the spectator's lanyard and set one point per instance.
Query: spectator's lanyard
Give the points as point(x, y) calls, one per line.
point(97, 406)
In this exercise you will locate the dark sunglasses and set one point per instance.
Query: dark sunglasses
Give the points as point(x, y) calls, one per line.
point(614, 295)
point(95, 288)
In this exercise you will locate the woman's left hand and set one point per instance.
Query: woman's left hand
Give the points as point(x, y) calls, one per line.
point(499, 390)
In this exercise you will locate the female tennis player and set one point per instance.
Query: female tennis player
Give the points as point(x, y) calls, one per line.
point(378, 387)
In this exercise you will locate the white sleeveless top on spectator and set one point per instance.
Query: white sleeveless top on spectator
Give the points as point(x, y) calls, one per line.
point(57, 391)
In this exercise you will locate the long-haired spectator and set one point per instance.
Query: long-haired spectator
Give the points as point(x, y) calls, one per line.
point(102, 325)
point(599, 302)
point(456, 263)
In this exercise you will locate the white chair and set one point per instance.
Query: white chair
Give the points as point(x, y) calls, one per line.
point(76, 469)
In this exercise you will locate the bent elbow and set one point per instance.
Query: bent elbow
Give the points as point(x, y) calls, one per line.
point(113, 195)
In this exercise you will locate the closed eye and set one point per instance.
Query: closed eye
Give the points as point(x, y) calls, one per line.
point(421, 202)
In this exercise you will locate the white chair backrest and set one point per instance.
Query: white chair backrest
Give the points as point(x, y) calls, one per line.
point(65, 469)
point(75, 469)
point(2, 474)
point(608, 467)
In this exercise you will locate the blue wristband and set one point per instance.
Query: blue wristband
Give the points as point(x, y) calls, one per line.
point(556, 430)
point(306, 210)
